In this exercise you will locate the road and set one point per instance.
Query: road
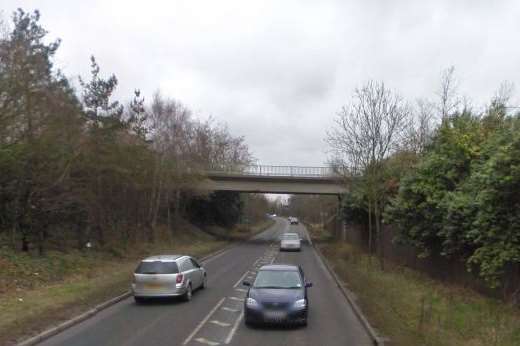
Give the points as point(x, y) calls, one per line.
point(214, 316)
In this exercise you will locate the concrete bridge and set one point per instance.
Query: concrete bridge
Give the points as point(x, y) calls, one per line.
point(276, 179)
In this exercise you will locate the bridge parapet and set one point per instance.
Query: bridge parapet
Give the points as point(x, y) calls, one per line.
point(279, 171)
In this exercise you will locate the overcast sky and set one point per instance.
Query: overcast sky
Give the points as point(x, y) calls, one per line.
point(277, 71)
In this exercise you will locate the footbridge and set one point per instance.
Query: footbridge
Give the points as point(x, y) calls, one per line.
point(276, 179)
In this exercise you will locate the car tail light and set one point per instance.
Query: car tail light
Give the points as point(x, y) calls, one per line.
point(179, 279)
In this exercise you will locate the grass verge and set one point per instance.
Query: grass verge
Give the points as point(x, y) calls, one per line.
point(37, 293)
point(412, 309)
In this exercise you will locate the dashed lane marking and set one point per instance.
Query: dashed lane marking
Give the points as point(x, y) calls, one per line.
point(240, 290)
point(195, 331)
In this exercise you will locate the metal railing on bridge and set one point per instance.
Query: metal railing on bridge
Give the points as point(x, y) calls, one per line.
point(279, 171)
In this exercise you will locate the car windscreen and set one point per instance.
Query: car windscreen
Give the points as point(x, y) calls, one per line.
point(278, 279)
point(157, 267)
point(290, 237)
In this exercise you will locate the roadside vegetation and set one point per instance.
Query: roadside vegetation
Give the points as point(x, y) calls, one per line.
point(80, 168)
point(444, 174)
point(39, 292)
point(410, 308)
point(90, 184)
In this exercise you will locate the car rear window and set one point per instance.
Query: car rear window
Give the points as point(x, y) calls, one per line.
point(278, 279)
point(157, 267)
point(291, 237)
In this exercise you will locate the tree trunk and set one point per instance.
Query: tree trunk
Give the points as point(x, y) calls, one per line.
point(379, 240)
point(369, 231)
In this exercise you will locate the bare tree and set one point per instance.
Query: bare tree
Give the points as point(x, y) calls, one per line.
point(366, 133)
point(421, 126)
point(449, 100)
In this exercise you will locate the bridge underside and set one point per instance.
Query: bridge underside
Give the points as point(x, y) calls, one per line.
point(267, 184)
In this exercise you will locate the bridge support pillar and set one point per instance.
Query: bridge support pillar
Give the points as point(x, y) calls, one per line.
point(340, 225)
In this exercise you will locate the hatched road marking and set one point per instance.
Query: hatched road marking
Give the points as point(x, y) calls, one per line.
point(234, 329)
point(225, 308)
point(188, 339)
point(221, 324)
point(207, 342)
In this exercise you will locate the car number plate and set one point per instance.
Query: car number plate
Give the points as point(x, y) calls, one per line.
point(275, 315)
point(153, 285)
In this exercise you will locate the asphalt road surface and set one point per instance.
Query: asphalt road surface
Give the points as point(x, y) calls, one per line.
point(214, 316)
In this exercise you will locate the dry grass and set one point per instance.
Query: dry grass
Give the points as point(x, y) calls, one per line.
point(412, 309)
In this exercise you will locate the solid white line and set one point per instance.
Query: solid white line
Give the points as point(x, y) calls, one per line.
point(241, 279)
point(234, 329)
point(195, 331)
point(215, 257)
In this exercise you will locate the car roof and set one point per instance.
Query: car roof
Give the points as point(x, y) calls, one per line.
point(282, 267)
point(163, 258)
point(290, 233)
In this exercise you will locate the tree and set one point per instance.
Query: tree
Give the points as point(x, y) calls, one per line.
point(34, 99)
point(366, 133)
point(104, 120)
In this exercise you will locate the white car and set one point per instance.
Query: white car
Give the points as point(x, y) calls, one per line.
point(290, 242)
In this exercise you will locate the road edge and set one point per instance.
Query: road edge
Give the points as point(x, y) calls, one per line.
point(50, 332)
point(376, 339)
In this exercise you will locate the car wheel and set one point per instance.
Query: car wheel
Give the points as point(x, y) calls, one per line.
point(139, 300)
point(189, 293)
point(204, 282)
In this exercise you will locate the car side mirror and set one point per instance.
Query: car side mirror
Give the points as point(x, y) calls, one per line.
point(308, 284)
point(246, 283)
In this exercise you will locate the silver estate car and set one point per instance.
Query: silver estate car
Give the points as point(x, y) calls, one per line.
point(167, 276)
point(290, 241)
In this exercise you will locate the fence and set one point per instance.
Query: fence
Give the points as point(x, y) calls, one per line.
point(280, 171)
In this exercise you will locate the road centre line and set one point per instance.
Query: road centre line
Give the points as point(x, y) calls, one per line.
point(241, 279)
point(201, 323)
point(234, 329)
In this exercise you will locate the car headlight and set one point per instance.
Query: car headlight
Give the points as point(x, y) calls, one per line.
point(301, 303)
point(251, 302)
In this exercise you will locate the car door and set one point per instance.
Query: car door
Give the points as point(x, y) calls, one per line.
point(187, 270)
point(198, 271)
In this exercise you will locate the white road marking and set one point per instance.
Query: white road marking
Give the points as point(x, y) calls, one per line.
point(240, 290)
point(241, 279)
point(221, 324)
point(195, 331)
point(215, 257)
point(237, 299)
point(234, 329)
point(207, 342)
point(225, 308)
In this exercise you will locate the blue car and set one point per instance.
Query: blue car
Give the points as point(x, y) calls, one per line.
point(278, 295)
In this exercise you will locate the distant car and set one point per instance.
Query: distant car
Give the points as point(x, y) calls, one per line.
point(168, 276)
point(278, 295)
point(290, 241)
point(293, 221)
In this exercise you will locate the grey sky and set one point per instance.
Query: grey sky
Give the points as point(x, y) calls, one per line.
point(277, 71)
